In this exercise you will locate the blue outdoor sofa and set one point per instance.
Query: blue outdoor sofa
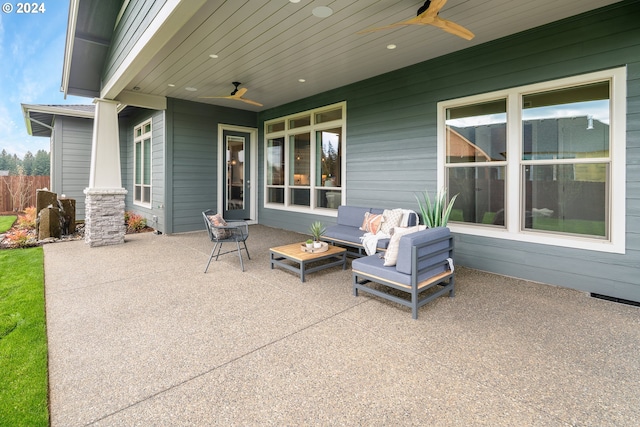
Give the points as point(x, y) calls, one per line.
point(424, 263)
point(347, 230)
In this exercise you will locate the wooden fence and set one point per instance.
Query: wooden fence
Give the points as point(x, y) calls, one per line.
point(19, 192)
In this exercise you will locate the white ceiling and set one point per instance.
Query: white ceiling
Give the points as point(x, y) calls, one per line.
point(268, 45)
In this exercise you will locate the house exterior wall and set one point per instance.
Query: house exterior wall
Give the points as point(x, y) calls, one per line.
point(392, 139)
point(126, 127)
point(192, 159)
point(71, 145)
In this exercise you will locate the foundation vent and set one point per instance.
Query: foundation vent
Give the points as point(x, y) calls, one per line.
point(614, 299)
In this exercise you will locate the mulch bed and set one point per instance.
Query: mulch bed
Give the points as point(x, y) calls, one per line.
point(32, 239)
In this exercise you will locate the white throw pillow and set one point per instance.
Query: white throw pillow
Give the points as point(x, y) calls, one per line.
point(392, 218)
point(391, 256)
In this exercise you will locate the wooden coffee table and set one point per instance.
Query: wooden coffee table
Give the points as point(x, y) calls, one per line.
point(293, 252)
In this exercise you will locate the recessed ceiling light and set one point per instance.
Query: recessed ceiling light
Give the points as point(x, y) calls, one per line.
point(322, 11)
point(213, 56)
point(294, 1)
point(171, 85)
point(301, 80)
point(391, 46)
point(190, 89)
point(136, 88)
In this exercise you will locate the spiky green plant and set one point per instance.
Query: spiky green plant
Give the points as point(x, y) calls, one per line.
point(317, 229)
point(435, 214)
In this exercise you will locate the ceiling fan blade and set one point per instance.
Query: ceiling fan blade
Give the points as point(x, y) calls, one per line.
point(236, 96)
point(388, 27)
point(433, 9)
point(248, 101)
point(216, 97)
point(453, 28)
point(240, 92)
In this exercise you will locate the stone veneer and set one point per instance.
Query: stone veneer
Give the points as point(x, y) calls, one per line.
point(104, 216)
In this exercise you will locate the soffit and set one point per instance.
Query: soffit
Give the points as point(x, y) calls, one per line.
point(269, 45)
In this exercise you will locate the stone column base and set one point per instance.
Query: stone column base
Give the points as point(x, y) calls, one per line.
point(104, 216)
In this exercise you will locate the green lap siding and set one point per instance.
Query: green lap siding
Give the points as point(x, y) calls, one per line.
point(192, 159)
point(71, 154)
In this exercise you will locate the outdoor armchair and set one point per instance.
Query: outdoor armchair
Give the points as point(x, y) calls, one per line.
point(221, 231)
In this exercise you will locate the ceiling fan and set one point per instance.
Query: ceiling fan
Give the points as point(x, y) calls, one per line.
point(428, 15)
point(235, 95)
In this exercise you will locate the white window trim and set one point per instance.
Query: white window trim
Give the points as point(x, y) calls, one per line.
point(286, 206)
point(617, 189)
point(140, 139)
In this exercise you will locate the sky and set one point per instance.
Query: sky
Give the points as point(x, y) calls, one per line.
point(31, 57)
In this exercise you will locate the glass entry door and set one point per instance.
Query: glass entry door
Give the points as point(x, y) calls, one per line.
point(237, 196)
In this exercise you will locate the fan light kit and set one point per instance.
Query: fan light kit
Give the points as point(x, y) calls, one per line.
point(428, 15)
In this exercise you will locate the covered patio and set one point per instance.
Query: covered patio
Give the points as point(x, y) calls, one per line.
point(139, 335)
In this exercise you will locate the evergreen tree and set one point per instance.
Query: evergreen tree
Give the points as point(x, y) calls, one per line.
point(27, 163)
point(41, 165)
point(4, 160)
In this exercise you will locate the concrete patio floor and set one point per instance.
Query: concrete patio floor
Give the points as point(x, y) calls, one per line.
point(139, 335)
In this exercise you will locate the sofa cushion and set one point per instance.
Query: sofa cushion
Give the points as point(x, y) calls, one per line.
point(344, 232)
point(403, 264)
point(374, 265)
point(351, 215)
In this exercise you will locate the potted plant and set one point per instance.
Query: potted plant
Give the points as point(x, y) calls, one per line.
point(435, 214)
point(317, 229)
point(309, 243)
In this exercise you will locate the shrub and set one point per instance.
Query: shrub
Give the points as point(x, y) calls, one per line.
point(136, 222)
point(18, 238)
point(28, 220)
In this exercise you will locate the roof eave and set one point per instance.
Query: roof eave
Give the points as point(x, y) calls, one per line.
point(68, 50)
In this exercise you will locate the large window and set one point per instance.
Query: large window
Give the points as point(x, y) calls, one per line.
point(142, 164)
point(304, 160)
point(542, 163)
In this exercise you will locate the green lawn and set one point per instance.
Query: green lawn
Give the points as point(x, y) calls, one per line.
point(23, 340)
point(6, 222)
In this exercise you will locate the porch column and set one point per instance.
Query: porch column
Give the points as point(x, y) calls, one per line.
point(104, 210)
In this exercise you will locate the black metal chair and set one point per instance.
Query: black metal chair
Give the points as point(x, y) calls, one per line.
point(221, 231)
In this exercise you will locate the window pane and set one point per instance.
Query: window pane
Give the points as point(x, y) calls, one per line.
point(137, 193)
point(275, 161)
point(566, 198)
point(147, 162)
point(138, 165)
point(275, 127)
point(328, 157)
point(477, 133)
point(275, 195)
point(570, 123)
point(147, 194)
point(481, 194)
point(147, 128)
point(327, 116)
point(299, 122)
point(300, 197)
point(300, 155)
point(328, 198)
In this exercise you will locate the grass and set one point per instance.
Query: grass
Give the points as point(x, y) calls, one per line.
point(23, 341)
point(6, 222)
